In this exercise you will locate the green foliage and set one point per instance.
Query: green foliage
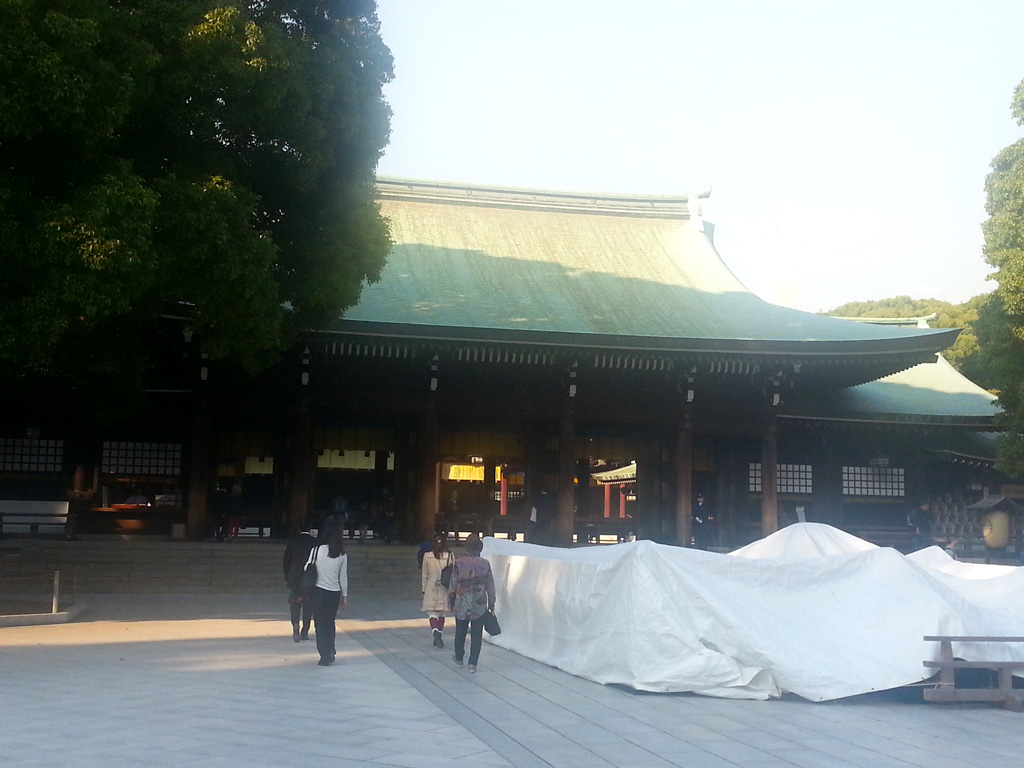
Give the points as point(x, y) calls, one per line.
point(1001, 324)
point(965, 355)
point(212, 157)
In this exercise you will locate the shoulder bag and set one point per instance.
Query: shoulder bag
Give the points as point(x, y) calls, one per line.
point(446, 572)
point(309, 574)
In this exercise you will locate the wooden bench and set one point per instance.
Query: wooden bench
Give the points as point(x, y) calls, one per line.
point(947, 666)
point(593, 528)
point(33, 517)
point(510, 525)
point(584, 528)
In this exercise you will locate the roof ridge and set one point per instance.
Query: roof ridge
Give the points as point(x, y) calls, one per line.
point(522, 197)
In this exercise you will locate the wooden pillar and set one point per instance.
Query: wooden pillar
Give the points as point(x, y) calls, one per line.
point(566, 501)
point(427, 481)
point(607, 501)
point(503, 494)
point(648, 499)
point(732, 487)
point(300, 464)
point(199, 471)
point(488, 509)
point(539, 462)
point(684, 482)
point(404, 482)
point(828, 483)
point(770, 479)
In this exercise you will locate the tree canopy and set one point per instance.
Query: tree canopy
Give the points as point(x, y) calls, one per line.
point(965, 355)
point(1001, 323)
point(212, 160)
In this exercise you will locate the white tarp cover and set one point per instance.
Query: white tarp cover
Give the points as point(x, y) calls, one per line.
point(809, 610)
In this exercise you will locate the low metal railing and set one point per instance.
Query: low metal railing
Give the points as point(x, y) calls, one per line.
point(32, 590)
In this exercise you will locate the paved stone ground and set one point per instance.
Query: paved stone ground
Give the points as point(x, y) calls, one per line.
point(216, 682)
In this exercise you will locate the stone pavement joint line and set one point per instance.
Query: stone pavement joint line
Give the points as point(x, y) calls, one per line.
point(216, 681)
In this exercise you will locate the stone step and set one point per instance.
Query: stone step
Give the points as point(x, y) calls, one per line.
point(145, 566)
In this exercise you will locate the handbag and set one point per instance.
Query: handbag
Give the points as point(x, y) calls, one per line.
point(309, 573)
point(491, 625)
point(446, 572)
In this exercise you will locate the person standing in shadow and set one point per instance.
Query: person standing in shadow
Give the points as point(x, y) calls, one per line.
point(221, 502)
point(950, 548)
point(235, 507)
point(541, 521)
point(387, 507)
point(703, 518)
point(296, 553)
point(470, 596)
point(919, 521)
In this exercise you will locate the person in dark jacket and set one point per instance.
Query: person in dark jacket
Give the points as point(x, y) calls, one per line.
point(703, 518)
point(542, 519)
point(296, 553)
point(919, 521)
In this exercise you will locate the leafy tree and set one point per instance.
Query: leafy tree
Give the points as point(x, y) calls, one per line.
point(965, 354)
point(204, 159)
point(1002, 321)
point(968, 354)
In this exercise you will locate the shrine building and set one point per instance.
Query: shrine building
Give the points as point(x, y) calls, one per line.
point(591, 349)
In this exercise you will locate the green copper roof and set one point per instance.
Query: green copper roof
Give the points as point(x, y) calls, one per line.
point(929, 392)
point(486, 262)
point(937, 390)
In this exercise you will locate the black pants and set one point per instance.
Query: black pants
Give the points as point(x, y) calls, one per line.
point(325, 611)
point(301, 606)
point(476, 637)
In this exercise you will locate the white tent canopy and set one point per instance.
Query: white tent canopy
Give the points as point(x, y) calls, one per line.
point(809, 610)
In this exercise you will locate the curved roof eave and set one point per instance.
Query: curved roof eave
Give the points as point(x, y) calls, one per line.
point(928, 393)
point(924, 345)
point(981, 423)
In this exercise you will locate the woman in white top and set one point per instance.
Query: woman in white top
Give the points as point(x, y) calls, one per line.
point(435, 594)
point(331, 592)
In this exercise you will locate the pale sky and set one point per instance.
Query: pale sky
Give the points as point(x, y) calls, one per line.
point(846, 143)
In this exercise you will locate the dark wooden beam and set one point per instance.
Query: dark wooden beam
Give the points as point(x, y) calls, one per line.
point(770, 480)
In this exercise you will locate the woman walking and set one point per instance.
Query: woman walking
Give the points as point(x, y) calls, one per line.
point(470, 596)
point(331, 592)
point(435, 594)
